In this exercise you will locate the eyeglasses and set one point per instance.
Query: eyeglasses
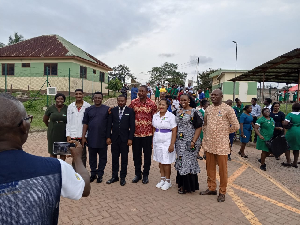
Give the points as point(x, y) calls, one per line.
point(29, 117)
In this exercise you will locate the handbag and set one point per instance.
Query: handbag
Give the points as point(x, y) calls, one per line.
point(196, 120)
point(278, 145)
point(288, 126)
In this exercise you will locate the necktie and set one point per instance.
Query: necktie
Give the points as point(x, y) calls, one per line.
point(121, 113)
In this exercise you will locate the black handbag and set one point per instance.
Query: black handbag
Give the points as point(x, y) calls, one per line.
point(196, 120)
point(278, 145)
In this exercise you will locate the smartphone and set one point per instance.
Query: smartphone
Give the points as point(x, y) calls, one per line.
point(62, 148)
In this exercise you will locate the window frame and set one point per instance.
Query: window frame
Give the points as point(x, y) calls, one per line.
point(84, 75)
point(51, 64)
point(3, 69)
point(25, 65)
point(102, 73)
point(94, 71)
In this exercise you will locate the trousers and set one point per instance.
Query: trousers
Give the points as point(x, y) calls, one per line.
point(83, 157)
point(93, 155)
point(118, 147)
point(211, 164)
point(139, 145)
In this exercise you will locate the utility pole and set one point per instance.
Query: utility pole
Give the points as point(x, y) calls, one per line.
point(235, 69)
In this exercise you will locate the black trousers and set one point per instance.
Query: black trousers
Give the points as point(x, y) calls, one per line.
point(118, 147)
point(139, 144)
point(93, 152)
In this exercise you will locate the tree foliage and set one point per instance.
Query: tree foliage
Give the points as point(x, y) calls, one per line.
point(120, 72)
point(16, 38)
point(167, 73)
point(1, 45)
point(204, 80)
point(114, 85)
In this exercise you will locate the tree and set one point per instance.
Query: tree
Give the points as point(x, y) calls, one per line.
point(121, 72)
point(204, 80)
point(114, 85)
point(167, 73)
point(1, 45)
point(16, 38)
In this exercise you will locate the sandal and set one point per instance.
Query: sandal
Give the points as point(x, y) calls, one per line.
point(239, 153)
point(286, 164)
point(295, 166)
point(244, 156)
point(181, 192)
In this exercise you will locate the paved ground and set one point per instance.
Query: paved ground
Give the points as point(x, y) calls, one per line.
point(254, 197)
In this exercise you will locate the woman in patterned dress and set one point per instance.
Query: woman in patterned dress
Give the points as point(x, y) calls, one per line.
point(187, 146)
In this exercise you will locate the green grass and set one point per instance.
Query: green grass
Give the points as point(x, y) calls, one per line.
point(35, 107)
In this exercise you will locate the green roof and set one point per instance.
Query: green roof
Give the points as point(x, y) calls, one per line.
point(219, 72)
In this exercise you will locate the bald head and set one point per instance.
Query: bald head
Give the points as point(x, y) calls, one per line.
point(12, 111)
point(216, 97)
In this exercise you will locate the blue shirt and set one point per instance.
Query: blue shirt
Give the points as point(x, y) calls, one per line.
point(96, 118)
point(134, 92)
point(201, 96)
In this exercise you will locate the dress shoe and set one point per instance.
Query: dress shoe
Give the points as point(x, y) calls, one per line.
point(221, 198)
point(99, 180)
point(92, 178)
point(208, 192)
point(112, 180)
point(136, 179)
point(145, 180)
point(122, 181)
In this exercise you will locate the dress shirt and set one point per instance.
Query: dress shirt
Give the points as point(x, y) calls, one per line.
point(256, 110)
point(219, 122)
point(144, 112)
point(74, 120)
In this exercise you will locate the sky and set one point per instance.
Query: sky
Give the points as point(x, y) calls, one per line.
point(146, 33)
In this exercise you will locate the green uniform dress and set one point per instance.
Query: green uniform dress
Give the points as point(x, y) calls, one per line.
point(202, 112)
point(292, 135)
point(56, 126)
point(174, 92)
point(286, 96)
point(206, 93)
point(169, 90)
point(157, 93)
point(239, 111)
point(280, 97)
point(266, 130)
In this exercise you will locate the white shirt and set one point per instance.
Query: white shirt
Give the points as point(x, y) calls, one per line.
point(74, 120)
point(72, 184)
point(269, 107)
point(190, 89)
point(175, 104)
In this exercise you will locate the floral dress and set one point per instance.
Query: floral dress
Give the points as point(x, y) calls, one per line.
point(186, 162)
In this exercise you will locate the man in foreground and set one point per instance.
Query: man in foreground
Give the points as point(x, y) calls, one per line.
point(144, 110)
point(31, 186)
point(95, 122)
point(120, 131)
point(219, 122)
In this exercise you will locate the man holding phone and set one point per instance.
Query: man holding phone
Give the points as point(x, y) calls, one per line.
point(95, 123)
point(74, 120)
point(120, 131)
point(32, 175)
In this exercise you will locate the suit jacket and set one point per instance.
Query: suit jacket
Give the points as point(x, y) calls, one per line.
point(124, 128)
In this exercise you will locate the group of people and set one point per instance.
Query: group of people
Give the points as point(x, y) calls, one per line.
point(285, 96)
point(269, 124)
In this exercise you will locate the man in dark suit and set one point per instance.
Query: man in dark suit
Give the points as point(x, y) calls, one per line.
point(120, 131)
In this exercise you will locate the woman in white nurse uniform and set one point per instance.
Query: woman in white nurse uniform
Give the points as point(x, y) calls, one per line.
point(165, 130)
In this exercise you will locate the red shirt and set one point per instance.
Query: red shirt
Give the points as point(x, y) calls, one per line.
point(144, 112)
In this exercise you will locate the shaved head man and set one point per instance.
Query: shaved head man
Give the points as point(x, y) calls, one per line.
point(28, 183)
point(219, 122)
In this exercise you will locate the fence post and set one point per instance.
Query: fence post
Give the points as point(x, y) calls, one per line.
point(5, 88)
point(108, 88)
point(69, 85)
point(47, 73)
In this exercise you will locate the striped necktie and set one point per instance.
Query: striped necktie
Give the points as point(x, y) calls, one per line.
point(121, 110)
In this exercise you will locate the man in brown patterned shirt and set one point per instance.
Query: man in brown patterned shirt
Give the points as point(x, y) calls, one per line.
point(217, 120)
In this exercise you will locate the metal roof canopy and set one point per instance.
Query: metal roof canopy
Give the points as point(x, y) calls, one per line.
point(283, 69)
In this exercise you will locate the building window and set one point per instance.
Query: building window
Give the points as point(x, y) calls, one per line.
point(25, 64)
point(102, 77)
point(10, 69)
point(83, 72)
point(52, 68)
point(94, 71)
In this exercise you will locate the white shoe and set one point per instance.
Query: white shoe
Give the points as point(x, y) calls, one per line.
point(160, 184)
point(166, 186)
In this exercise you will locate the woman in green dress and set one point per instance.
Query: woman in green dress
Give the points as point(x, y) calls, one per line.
point(292, 135)
point(55, 119)
point(157, 92)
point(280, 96)
point(267, 126)
point(295, 96)
point(239, 107)
point(206, 93)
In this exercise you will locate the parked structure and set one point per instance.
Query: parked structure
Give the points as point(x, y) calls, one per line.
point(245, 90)
point(68, 66)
